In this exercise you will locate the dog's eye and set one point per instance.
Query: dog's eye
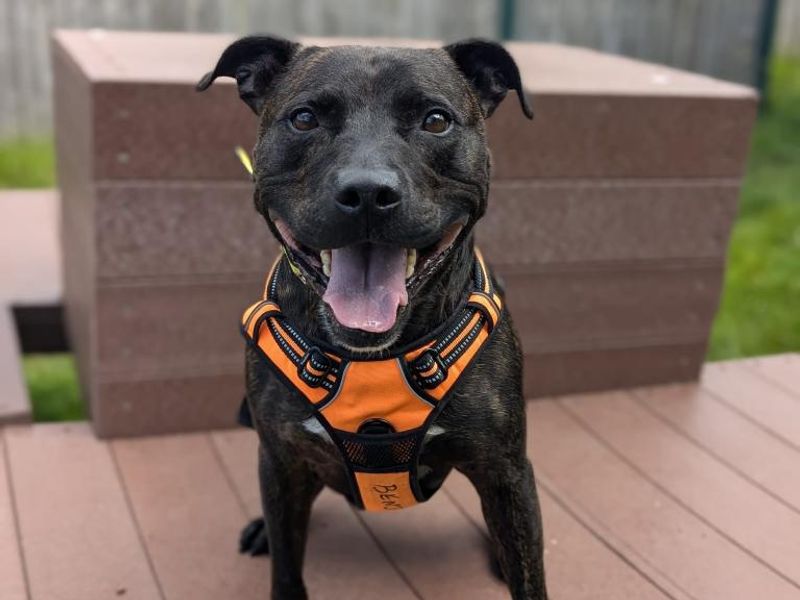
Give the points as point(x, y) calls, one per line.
point(437, 121)
point(303, 120)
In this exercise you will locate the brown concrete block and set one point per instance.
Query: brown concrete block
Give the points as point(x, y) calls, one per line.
point(598, 116)
point(623, 136)
point(552, 374)
point(561, 311)
point(170, 404)
point(141, 227)
point(167, 131)
point(169, 326)
point(588, 221)
point(164, 229)
point(72, 114)
point(616, 203)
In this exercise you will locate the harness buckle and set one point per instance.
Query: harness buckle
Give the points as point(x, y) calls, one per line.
point(314, 366)
point(427, 360)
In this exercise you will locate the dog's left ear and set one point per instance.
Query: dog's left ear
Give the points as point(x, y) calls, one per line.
point(491, 71)
point(253, 61)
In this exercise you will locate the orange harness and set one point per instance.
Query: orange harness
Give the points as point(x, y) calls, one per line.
point(377, 411)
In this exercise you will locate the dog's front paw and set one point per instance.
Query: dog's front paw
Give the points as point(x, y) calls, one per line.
point(253, 539)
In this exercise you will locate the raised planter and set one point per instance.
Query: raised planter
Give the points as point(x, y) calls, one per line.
point(609, 221)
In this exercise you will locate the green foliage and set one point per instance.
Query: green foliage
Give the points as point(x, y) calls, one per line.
point(53, 387)
point(760, 312)
point(27, 163)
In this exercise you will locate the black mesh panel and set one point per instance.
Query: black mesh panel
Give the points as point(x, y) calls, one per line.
point(380, 451)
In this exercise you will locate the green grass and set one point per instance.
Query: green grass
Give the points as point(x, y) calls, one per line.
point(760, 310)
point(27, 163)
point(53, 387)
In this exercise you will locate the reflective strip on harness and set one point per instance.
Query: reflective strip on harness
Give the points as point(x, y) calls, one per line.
point(260, 325)
point(398, 396)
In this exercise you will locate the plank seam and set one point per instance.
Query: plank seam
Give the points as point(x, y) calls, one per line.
point(769, 380)
point(709, 451)
point(400, 573)
point(586, 427)
point(460, 508)
point(228, 477)
point(721, 400)
point(606, 537)
point(139, 533)
point(15, 513)
point(548, 488)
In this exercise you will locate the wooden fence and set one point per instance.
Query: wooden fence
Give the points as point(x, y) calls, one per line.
point(717, 37)
point(788, 32)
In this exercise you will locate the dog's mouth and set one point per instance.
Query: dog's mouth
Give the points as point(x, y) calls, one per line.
point(365, 284)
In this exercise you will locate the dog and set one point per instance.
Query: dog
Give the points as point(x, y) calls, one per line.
point(371, 168)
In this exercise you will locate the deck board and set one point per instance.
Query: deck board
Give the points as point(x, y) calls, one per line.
point(189, 517)
point(784, 370)
point(570, 548)
point(767, 404)
point(361, 573)
point(12, 575)
point(684, 492)
point(731, 437)
point(78, 536)
point(15, 407)
point(730, 503)
point(654, 528)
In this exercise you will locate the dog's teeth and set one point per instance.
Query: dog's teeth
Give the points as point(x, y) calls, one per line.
point(411, 262)
point(325, 257)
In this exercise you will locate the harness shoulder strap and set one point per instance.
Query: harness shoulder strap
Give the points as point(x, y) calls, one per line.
point(437, 367)
point(305, 367)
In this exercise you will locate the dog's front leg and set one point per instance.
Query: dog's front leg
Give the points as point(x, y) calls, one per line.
point(511, 510)
point(288, 489)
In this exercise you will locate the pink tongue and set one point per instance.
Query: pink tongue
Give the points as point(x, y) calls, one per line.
point(366, 285)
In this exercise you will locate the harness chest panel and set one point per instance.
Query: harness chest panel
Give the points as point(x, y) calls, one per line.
point(377, 411)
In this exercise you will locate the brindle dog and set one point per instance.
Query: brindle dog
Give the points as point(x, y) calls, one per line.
point(371, 165)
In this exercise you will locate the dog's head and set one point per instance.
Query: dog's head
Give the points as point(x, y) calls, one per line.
point(371, 164)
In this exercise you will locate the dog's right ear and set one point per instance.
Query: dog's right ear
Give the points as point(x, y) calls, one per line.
point(253, 61)
point(491, 71)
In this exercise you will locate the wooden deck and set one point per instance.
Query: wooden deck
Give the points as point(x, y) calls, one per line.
point(684, 492)
point(30, 275)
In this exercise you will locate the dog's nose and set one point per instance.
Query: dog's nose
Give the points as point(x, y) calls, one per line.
point(360, 190)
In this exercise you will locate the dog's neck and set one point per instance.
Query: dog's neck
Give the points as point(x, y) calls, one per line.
point(435, 302)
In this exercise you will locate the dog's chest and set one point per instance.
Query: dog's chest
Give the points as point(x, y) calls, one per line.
point(313, 427)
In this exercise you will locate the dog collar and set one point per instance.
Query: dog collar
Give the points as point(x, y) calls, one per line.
point(377, 411)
